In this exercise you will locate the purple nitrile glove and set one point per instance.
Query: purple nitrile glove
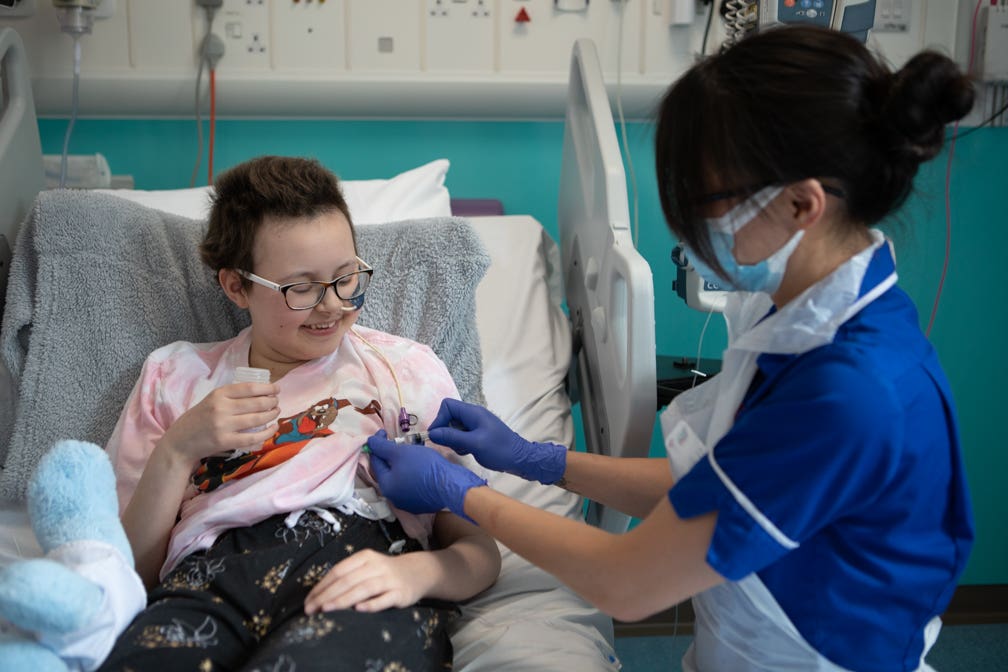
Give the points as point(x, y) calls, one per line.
point(418, 479)
point(470, 429)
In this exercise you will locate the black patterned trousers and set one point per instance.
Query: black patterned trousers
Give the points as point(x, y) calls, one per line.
point(240, 606)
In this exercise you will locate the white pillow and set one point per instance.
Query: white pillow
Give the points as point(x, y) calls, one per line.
point(415, 194)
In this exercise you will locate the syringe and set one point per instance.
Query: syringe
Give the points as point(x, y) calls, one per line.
point(415, 438)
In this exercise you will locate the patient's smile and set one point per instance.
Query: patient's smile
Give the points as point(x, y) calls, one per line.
point(324, 327)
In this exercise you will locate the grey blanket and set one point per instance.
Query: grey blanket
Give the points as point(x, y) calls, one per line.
point(97, 283)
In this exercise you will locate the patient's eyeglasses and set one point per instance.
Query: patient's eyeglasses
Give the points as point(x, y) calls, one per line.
point(308, 294)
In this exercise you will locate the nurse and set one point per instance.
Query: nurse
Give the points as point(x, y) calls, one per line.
point(816, 507)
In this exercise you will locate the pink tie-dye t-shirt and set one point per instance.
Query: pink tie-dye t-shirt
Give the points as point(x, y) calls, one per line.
point(329, 407)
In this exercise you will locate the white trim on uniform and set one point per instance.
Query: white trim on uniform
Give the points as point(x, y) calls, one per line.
point(751, 509)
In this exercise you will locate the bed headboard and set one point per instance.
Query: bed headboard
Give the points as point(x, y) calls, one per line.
point(21, 173)
point(608, 284)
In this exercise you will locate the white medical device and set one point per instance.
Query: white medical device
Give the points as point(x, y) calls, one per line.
point(741, 17)
point(855, 17)
point(698, 293)
point(609, 287)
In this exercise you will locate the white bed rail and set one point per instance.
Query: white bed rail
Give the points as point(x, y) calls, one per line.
point(21, 172)
point(608, 284)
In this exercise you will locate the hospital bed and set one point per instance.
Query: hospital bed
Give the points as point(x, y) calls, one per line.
point(527, 620)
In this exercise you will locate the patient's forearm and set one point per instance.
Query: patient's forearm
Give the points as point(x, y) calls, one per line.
point(467, 562)
point(630, 485)
point(151, 513)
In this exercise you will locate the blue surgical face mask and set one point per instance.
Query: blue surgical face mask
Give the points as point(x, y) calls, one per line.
point(763, 276)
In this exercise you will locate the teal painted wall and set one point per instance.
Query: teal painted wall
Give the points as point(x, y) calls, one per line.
point(519, 163)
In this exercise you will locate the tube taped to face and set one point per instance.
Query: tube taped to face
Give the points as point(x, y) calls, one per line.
point(763, 276)
point(356, 304)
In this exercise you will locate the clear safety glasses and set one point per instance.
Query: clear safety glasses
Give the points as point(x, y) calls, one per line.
point(308, 294)
point(716, 196)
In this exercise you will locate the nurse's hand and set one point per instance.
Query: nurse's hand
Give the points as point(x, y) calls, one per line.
point(470, 429)
point(418, 479)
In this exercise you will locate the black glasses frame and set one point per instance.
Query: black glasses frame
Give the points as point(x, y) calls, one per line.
point(283, 289)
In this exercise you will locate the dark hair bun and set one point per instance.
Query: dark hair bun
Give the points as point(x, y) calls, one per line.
point(927, 93)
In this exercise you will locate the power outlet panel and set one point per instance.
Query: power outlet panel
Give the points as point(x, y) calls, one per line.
point(244, 25)
point(460, 36)
point(17, 8)
point(384, 36)
point(405, 58)
point(162, 39)
point(309, 35)
point(993, 62)
point(893, 16)
point(536, 37)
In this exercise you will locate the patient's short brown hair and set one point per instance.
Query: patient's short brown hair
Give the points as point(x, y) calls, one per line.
point(265, 187)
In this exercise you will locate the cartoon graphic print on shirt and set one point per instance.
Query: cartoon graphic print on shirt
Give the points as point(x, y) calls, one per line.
point(292, 434)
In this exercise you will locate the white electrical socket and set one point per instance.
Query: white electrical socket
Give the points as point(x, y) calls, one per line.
point(993, 51)
point(105, 9)
point(245, 28)
point(681, 12)
point(893, 16)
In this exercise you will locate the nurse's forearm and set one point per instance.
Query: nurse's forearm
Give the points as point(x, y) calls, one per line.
point(657, 564)
point(628, 484)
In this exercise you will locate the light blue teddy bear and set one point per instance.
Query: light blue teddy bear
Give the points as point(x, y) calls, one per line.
point(69, 606)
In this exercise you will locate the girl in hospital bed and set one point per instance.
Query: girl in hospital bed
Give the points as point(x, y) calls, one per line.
point(252, 502)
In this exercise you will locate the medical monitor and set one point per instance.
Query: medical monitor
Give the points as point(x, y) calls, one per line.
point(608, 284)
point(854, 17)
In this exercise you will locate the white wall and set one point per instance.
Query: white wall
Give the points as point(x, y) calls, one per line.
point(387, 58)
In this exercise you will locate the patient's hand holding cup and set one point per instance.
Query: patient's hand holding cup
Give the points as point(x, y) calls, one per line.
point(248, 374)
point(471, 429)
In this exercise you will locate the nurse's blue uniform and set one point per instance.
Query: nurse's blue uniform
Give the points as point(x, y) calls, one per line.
point(843, 515)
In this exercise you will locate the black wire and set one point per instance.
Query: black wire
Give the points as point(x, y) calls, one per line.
point(706, 32)
point(990, 119)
